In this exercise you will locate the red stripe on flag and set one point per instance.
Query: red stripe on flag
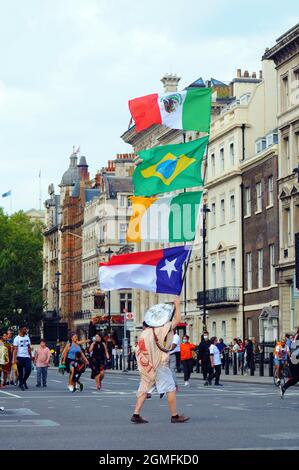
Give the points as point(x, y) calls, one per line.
point(151, 258)
point(145, 111)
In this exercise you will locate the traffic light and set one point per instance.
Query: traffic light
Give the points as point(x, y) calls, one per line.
point(99, 301)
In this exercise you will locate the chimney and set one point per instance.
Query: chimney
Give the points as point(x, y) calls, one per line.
point(239, 73)
point(246, 74)
point(261, 74)
point(253, 74)
point(170, 82)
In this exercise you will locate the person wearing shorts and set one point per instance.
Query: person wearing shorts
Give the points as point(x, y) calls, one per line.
point(152, 355)
point(281, 352)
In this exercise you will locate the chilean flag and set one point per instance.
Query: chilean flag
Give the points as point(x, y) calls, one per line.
point(156, 271)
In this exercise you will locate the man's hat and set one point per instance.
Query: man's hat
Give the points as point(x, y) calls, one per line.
point(158, 315)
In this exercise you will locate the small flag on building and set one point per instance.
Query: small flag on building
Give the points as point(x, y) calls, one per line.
point(156, 271)
point(170, 167)
point(164, 219)
point(189, 110)
point(8, 193)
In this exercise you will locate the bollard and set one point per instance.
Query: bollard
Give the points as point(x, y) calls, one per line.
point(262, 360)
point(120, 362)
point(252, 367)
point(226, 362)
point(116, 365)
point(271, 364)
point(112, 363)
point(235, 363)
point(129, 362)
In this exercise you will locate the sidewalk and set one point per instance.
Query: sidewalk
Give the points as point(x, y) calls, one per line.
point(256, 379)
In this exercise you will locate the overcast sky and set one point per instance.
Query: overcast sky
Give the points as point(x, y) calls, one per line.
point(68, 68)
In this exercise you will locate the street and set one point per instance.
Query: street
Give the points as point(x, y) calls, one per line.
point(235, 416)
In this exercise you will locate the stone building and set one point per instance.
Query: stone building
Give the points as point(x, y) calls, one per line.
point(106, 218)
point(233, 132)
point(285, 55)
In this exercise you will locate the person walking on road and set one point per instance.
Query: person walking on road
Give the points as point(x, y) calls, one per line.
point(4, 360)
point(173, 362)
point(99, 354)
point(69, 355)
point(22, 356)
point(186, 358)
point(153, 359)
point(41, 360)
point(293, 365)
point(204, 356)
point(215, 359)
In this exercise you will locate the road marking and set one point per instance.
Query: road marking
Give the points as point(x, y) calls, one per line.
point(36, 423)
point(20, 412)
point(57, 381)
point(11, 394)
point(235, 408)
point(281, 436)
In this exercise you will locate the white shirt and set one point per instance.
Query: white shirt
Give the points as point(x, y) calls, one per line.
point(176, 340)
point(216, 354)
point(22, 343)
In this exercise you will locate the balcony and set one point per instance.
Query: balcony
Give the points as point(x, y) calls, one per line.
point(220, 298)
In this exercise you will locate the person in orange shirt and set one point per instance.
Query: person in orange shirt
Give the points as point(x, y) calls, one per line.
point(186, 358)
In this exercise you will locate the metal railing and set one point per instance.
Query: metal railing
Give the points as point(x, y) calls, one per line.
point(219, 296)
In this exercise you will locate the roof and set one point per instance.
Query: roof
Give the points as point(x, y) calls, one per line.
point(289, 38)
point(116, 184)
point(90, 194)
point(71, 175)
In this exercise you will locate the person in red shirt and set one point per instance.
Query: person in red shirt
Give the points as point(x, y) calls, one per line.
point(186, 358)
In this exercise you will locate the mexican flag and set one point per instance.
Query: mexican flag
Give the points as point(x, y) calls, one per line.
point(167, 219)
point(189, 110)
point(169, 167)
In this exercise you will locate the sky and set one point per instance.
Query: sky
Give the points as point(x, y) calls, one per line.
point(69, 67)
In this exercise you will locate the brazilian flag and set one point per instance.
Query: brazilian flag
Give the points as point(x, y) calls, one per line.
point(170, 167)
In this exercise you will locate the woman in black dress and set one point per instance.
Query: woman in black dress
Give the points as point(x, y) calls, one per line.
point(99, 353)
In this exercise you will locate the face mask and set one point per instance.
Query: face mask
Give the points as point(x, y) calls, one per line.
point(184, 341)
point(205, 337)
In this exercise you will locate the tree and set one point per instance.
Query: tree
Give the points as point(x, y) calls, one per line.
point(21, 267)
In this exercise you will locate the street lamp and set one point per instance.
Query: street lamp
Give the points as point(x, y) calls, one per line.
point(57, 275)
point(205, 210)
point(109, 252)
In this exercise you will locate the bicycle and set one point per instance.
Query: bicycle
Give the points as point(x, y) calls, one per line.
point(284, 374)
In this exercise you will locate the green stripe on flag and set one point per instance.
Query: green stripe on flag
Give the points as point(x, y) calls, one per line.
point(183, 216)
point(197, 110)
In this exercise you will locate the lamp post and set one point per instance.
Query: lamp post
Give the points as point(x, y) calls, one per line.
point(57, 275)
point(109, 252)
point(205, 210)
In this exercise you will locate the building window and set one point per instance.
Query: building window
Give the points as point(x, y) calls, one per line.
point(122, 202)
point(222, 211)
point(214, 280)
point(287, 155)
point(122, 232)
point(270, 191)
point(213, 164)
point(232, 207)
point(285, 93)
point(260, 254)
point(249, 271)
point(213, 215)
point(247, 201)
point(223, 329)
point(223, 274)
point(222, 159)
point(258, 188)
point(249, 328)
point(232, 153)
point(272, 264)
point(214, 329)
point(233, 271)
point(125, 303)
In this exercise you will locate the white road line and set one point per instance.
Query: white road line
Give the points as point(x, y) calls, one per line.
point(58, 381)
point(10, 394)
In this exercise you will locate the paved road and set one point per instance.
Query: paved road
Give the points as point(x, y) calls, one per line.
point(235, 416)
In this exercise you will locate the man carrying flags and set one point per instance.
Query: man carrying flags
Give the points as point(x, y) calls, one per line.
point(152, 355)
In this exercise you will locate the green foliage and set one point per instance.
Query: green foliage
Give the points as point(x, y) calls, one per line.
point(21, 266)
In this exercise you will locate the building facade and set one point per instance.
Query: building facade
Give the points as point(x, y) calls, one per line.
point(285, 55)
point(232, 140)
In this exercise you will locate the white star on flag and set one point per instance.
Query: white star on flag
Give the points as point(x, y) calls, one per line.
point(169, 267)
